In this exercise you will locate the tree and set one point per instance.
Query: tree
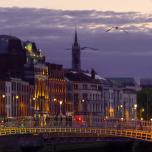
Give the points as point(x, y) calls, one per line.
point(144, 102)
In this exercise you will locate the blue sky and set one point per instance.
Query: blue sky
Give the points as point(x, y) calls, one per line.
point(120, 54)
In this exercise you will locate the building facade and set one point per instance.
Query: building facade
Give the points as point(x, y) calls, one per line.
point(87, 97)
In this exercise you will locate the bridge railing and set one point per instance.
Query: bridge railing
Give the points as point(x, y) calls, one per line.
point(96, 132)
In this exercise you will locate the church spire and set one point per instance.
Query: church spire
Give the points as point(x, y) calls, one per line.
point(76, 37)
point(76, 63)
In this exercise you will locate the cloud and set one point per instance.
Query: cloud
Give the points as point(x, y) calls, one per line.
point(53, 31)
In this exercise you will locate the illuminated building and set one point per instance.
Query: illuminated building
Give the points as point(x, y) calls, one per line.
point(69, 98)
point(57, 89)
point(18, 98)
point(87, 95)
point(15, 98)
point(36, 72)
point(108, 100)
point(126, 98)
point(30, 86)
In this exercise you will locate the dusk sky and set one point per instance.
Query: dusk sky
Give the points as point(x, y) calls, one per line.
point(51, 25)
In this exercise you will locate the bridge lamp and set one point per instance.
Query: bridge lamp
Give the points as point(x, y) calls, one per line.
point(150, 119)
point(141, 119)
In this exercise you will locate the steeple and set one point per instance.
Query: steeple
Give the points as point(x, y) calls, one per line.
point(75, 38)
point(76, 63)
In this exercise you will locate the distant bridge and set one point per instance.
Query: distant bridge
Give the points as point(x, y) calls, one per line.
point(79, 132)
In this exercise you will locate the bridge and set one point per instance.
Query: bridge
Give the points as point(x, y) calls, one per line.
point(140, 130)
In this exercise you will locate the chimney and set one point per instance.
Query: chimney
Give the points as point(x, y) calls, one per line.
point(93, 73)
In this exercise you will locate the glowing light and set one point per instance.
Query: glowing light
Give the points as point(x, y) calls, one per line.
point(135, 106)
point(28, 47)
point(79, 119)
point(61, 102)
point(17, 97)
point(3, 96)
point(82, 100)
point(54, 99)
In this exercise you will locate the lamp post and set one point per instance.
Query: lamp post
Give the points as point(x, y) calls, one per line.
point(135, 114)
point(135, 111)
point(4, 96)
point(16, 98)
point(61, 102)
point(60, 122)
point(54, 109)
point(141, 113)
point(121, 111)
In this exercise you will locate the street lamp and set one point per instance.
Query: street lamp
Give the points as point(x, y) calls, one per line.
point(54, 99)
point(16, 104)
point(3, 96)
point(135, 111)
point(141, 111)
point(83, 100)
point(4, 104)
point(61, 102)
point(135, 106)
point(17, 97)
point(120, 111)
point(54, 106)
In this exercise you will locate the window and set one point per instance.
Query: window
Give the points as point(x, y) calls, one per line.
point(85, 86)
point(75, 86)
point(85, 96)
point(94, 87)
point(75, 97)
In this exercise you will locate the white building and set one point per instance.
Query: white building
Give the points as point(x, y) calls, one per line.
point(87, 93)
point(18, 98)
point(125, 98)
